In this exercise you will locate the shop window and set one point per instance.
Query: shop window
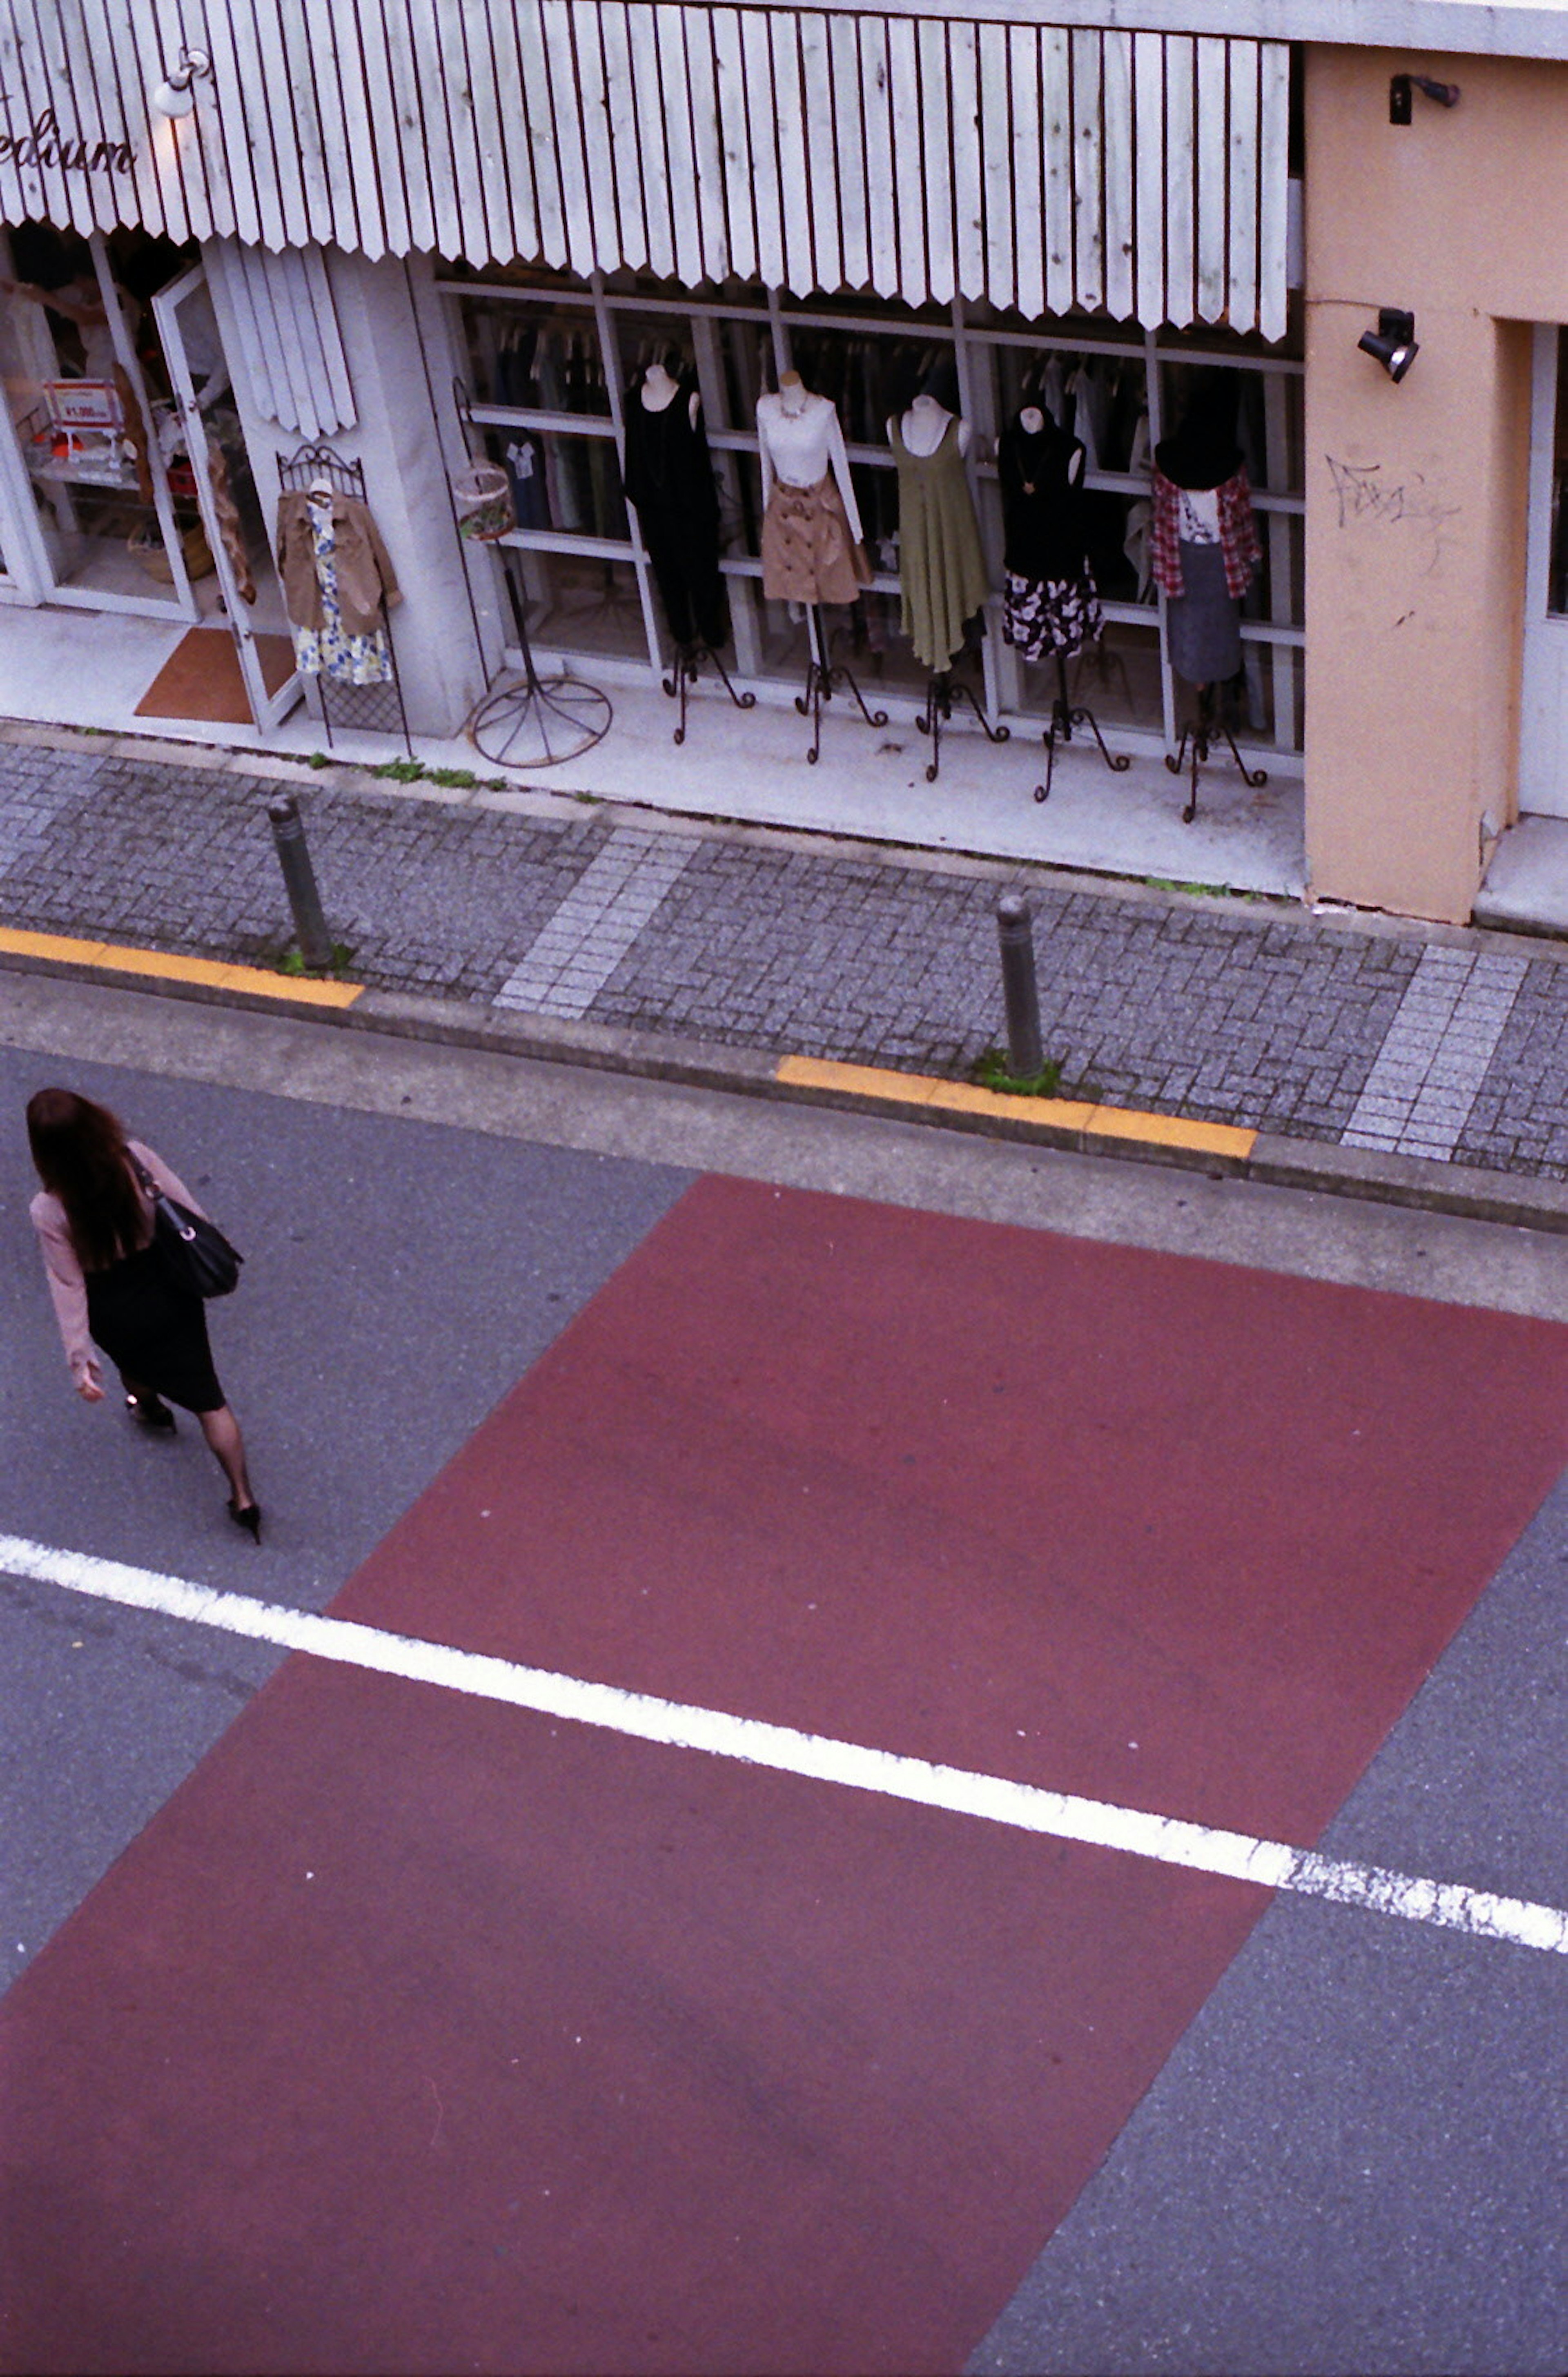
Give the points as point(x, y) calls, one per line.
point(549, 355)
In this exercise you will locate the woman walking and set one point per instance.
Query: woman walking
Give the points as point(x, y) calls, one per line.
point(111, 1286)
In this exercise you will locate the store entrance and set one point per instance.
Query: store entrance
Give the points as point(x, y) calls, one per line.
point(125, 486)
point(1543, 721)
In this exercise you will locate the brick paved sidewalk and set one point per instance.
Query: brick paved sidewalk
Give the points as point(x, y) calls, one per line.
point(1436, 1044)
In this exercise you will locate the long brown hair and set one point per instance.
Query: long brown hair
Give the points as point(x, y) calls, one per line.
point(81, 1154)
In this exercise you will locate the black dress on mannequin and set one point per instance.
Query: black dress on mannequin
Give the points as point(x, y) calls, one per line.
point(1051, 604)
point(669, 477)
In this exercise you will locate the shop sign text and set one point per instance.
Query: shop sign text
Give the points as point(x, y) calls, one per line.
point(44, 143)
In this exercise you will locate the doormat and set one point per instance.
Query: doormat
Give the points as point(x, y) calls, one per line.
point(201, 677)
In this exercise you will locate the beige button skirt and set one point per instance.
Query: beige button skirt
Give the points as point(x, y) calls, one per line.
point(808, 554)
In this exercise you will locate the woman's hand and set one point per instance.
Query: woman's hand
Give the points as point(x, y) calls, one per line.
point(88, 1389)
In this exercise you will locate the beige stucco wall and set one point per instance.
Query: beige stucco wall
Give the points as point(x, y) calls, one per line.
point(1415, 494)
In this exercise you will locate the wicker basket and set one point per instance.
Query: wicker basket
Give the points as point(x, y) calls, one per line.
point(481, 496)
point(147, 543)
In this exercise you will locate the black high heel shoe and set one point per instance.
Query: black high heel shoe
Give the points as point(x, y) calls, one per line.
point(249, 1518)
point(150, 1411)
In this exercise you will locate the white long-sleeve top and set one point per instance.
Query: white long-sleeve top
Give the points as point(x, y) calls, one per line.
point(67, 1288)
point(800, 446)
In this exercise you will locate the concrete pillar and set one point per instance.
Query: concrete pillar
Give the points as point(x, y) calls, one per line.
point(1416, 493)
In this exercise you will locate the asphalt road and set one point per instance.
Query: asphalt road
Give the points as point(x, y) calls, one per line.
point(1349, 2154)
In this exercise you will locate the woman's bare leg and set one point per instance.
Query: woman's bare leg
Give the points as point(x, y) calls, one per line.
point(222, 1430)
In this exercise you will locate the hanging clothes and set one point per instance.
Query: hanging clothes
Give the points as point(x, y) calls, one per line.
point(1051, 602)
point(669, 477)
point(941, 568)
point(1205, 548)
point(812, 535)
point(338, 583)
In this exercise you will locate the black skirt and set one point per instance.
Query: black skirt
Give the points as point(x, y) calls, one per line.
point(153, 1331)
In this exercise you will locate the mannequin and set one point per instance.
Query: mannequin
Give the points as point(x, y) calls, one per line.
point(1053, 603)
point(1205, 549)
point(669, 477)
point(941, 568)
point(812, 549)
point(1205, 545)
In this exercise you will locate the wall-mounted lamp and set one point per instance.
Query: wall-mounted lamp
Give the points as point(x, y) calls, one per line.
point(1446, 94)
point(1393, 343)
point(176, 95)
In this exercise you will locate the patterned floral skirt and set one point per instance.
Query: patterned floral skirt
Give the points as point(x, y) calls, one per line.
point(1042, 615)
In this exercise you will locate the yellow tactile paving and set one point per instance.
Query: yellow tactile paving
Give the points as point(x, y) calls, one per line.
point(297, 989)
point(1065, 1115)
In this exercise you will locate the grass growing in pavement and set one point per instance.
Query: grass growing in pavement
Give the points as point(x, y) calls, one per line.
point(292, 961)
point(992, 1071)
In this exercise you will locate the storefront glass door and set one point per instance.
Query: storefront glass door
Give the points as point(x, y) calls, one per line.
point(1543, 731)
point(89, 519)
point(209, 447)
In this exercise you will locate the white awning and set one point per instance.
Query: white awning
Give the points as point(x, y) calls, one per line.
point(1041, 167)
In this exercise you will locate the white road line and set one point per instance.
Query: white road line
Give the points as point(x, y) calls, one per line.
point(577, 950)
point(1165, 1839)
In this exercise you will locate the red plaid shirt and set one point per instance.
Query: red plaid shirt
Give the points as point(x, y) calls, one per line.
point(1237, 533)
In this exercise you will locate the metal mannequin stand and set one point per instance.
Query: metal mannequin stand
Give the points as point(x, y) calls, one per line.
point(531, 721)
point(687, 668)
point(1198, 737)
point(822, 681)
point(372, 709)
point(1066, 714)
point(942, 689)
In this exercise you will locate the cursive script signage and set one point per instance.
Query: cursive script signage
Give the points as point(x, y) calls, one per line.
point(43, 143)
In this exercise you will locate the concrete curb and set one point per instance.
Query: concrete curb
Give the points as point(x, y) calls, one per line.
point(1467, 1191)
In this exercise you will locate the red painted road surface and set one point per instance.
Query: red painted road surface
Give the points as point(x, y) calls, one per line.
point(420, 2034)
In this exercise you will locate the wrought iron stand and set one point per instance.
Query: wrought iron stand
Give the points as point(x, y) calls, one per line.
point(689, 659)
point(1198, 737)
point(1066, 714)
point(531, 721)
point(942, 689)
point(822, 681)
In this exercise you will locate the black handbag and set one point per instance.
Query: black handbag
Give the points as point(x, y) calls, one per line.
point(195, 1251)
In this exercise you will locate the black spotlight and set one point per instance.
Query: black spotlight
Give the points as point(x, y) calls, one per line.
point(1393, 343)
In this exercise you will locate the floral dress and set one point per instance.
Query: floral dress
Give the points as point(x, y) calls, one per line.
point(330, 650)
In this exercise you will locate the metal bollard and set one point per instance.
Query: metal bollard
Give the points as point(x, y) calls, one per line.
point(299, 881)
point(1016, 931)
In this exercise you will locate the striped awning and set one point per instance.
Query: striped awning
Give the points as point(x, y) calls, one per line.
point(1042, 167)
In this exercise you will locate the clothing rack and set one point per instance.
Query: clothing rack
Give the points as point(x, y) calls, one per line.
point(1198, 736)
point(367, 709)
point(529, 722)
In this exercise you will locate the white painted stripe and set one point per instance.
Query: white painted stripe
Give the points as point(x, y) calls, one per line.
point(1421, 1088)
point(1274, 1865)
point(584, 941)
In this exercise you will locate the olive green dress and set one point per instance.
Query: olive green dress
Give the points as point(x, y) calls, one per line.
point(941, 569)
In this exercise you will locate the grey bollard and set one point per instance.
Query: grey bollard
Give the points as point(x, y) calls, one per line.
point(299, 881)
point(1016, 931)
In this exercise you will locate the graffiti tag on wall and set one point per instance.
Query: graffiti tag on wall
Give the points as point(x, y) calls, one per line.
point(1364, 493)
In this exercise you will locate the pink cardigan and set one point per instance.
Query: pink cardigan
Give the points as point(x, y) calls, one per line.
point(67, 1288)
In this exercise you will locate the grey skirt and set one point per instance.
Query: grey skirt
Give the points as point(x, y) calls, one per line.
point(1204, 622)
